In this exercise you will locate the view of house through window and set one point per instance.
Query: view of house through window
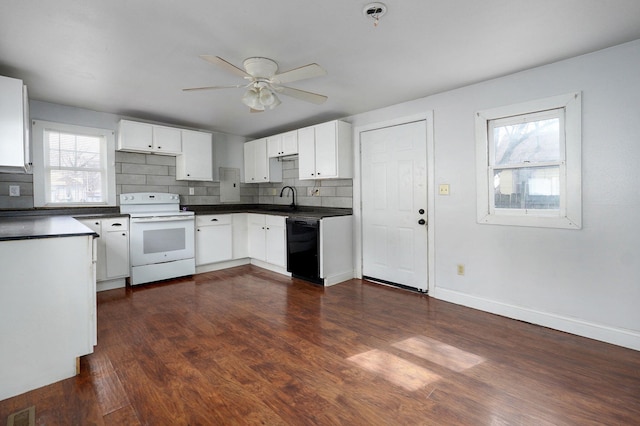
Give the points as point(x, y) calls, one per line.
point(75, 167)
point(526, 160)
point(528, 163)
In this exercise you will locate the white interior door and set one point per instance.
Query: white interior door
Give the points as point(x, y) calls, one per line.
point(394, 204)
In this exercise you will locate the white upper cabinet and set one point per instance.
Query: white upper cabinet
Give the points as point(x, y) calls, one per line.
point(325, 151)
point(282, 144)
point(149, 138)
point(196, 161)
point(14, 119)
point(258, 167)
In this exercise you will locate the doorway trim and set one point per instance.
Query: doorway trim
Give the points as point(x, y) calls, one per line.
point(357, 189)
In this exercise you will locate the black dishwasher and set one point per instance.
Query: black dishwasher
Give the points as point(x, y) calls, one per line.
point(303, 248)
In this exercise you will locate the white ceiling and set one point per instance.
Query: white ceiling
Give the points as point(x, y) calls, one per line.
point(133, 57)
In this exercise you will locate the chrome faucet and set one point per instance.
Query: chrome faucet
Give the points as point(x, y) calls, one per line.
point(293, 195)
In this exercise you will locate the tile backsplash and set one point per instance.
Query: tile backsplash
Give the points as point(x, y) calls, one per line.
point(157, 173)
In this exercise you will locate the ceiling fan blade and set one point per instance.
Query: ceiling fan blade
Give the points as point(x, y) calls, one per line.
point(307, 71)
point(213, 87)
point(301, 94)
point(216, 60)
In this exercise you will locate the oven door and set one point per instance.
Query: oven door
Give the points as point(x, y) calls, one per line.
point(161, 239)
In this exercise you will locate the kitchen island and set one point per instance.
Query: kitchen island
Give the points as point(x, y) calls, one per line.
point(47, 300)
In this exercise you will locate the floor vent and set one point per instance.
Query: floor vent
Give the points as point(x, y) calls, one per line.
point(26, 417)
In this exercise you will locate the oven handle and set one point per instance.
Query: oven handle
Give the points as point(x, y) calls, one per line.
point(161, 219)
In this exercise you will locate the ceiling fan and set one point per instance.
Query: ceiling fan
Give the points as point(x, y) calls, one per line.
point(264, 82)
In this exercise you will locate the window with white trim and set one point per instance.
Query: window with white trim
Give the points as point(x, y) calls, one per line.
point(73, 165)
point(529, 163)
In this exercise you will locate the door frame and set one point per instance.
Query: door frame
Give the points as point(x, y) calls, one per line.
point(357, 189)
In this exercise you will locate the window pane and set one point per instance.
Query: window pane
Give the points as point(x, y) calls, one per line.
point(527, 188)
point(69, 186)
point(533, 142)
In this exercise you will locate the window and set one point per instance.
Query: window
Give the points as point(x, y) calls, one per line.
point(529, 163)
point(73, 165)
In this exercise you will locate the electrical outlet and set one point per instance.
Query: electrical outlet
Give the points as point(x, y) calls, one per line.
point(14, 190)
point(192, 191)
point(460, 269)
point(444, 189)
point(313, 192)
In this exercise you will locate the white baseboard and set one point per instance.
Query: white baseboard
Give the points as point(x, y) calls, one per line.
point(338, 278)
point(270, 267)
point(222, 265)
point(617, 336)
point(111, 284)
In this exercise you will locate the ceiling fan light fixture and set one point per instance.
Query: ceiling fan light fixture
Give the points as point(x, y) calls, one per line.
point(267, 97)
point(251, 99)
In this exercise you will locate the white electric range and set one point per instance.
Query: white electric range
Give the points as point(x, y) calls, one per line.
point(161, 241)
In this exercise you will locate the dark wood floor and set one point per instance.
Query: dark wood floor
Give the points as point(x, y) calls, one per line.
point(247, 346)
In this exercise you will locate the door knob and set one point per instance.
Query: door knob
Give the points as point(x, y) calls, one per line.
point(421, 211)
point(421, 222)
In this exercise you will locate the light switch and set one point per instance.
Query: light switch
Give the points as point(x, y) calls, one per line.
point(444, 189)
point(14, 190)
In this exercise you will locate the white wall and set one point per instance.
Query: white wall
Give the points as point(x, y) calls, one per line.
point(584, 281)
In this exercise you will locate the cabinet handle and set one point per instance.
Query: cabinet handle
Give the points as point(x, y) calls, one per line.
point(150, 146)
point(124, 234)
point(188, 174)
point(198, 229)
point(214, 220)
point(116, 224)
point(97, 223)
point(159, 147)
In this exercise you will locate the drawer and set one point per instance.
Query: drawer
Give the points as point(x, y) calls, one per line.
point(213, 219)
point(115, 224)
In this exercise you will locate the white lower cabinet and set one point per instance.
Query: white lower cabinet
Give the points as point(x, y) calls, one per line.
point(214, 238)
point(267, 238)
point(240, 235)
point(112, 265)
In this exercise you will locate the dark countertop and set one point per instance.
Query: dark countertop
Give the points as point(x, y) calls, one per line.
point(85, 212)
point(60, 222)
point(273, 209)
point(33, 227)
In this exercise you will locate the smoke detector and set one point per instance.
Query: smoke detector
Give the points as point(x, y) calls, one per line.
point(374, 11)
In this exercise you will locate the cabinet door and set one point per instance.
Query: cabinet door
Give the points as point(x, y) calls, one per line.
point(213, 244)
point(256, 231)
point(261, 160)
point(115, 233)
point(196, 162)
point(117, 254)
point(12, 147)
point(274, 146)
point(167, 140)
point(306, 153)
point(249, 163)
point(326, 150)
point(240, 236)
point(290, 143)
point(276, 238)
point(134, 136)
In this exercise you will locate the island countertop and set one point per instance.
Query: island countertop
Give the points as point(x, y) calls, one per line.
point(32, 227)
